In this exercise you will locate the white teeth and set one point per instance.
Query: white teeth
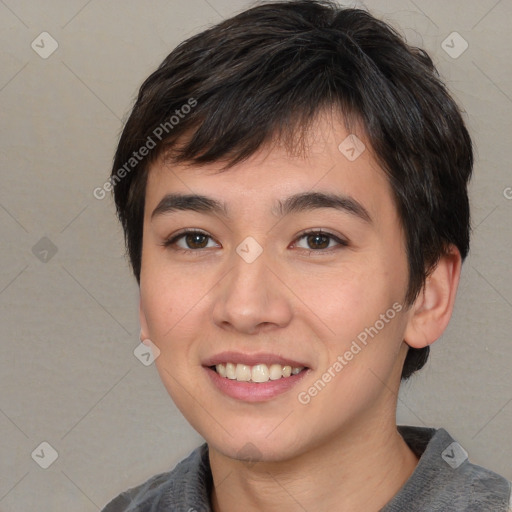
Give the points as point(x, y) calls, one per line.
point(230, 371)
point(275, 371)
point(243, 372)
point(256, 373)
point(260, 373)
point(221, 370)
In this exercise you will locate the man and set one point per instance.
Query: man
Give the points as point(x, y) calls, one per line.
point(293, 188)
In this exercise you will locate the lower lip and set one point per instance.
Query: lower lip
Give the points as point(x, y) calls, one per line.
point(254, 391)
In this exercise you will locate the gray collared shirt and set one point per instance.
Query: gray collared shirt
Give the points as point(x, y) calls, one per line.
point(443, 481)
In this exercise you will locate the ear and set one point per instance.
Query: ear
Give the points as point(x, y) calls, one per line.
point(432, 309)
point(144, 331)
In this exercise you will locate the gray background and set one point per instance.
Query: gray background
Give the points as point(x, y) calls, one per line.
point(69, 319)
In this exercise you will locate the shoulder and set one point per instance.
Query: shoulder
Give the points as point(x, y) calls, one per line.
point(445, 479)
point(487, 489)
point(186, 486)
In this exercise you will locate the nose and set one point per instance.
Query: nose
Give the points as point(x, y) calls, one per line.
point(252, 297)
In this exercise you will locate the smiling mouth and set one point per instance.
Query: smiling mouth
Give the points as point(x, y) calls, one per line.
point(258, 373)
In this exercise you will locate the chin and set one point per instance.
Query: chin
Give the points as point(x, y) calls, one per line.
point(254, 446)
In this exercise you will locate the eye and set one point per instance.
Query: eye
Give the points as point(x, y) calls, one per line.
point(193, 240)
point(320, 240)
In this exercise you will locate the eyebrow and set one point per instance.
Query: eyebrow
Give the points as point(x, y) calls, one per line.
point(296, 203)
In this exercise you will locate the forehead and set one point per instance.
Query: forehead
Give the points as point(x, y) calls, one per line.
point(334, 162)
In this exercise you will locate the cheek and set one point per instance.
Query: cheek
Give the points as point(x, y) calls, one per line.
point(159, 309)
point(172, 304)
point(169, 299)
point(352, 298)
point(169, 317)
point(363, 314)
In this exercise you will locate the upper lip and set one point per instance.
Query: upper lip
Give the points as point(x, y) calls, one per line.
point(252, 359)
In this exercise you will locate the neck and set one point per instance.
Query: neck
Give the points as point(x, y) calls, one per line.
point(360, 469)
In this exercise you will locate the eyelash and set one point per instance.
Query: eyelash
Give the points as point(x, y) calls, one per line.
point(172, 241)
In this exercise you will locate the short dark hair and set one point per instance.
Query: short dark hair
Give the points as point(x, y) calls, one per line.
point(264, 74)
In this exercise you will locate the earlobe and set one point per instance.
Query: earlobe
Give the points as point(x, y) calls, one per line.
point(433, 307)
point(144, 332)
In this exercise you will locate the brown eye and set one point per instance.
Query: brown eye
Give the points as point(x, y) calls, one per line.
point(319, 241)
point(188, 241)
point(196, 240)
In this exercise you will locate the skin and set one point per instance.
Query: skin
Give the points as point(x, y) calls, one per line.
point(341, 451)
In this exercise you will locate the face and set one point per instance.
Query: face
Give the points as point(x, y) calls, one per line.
point(267, 285)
